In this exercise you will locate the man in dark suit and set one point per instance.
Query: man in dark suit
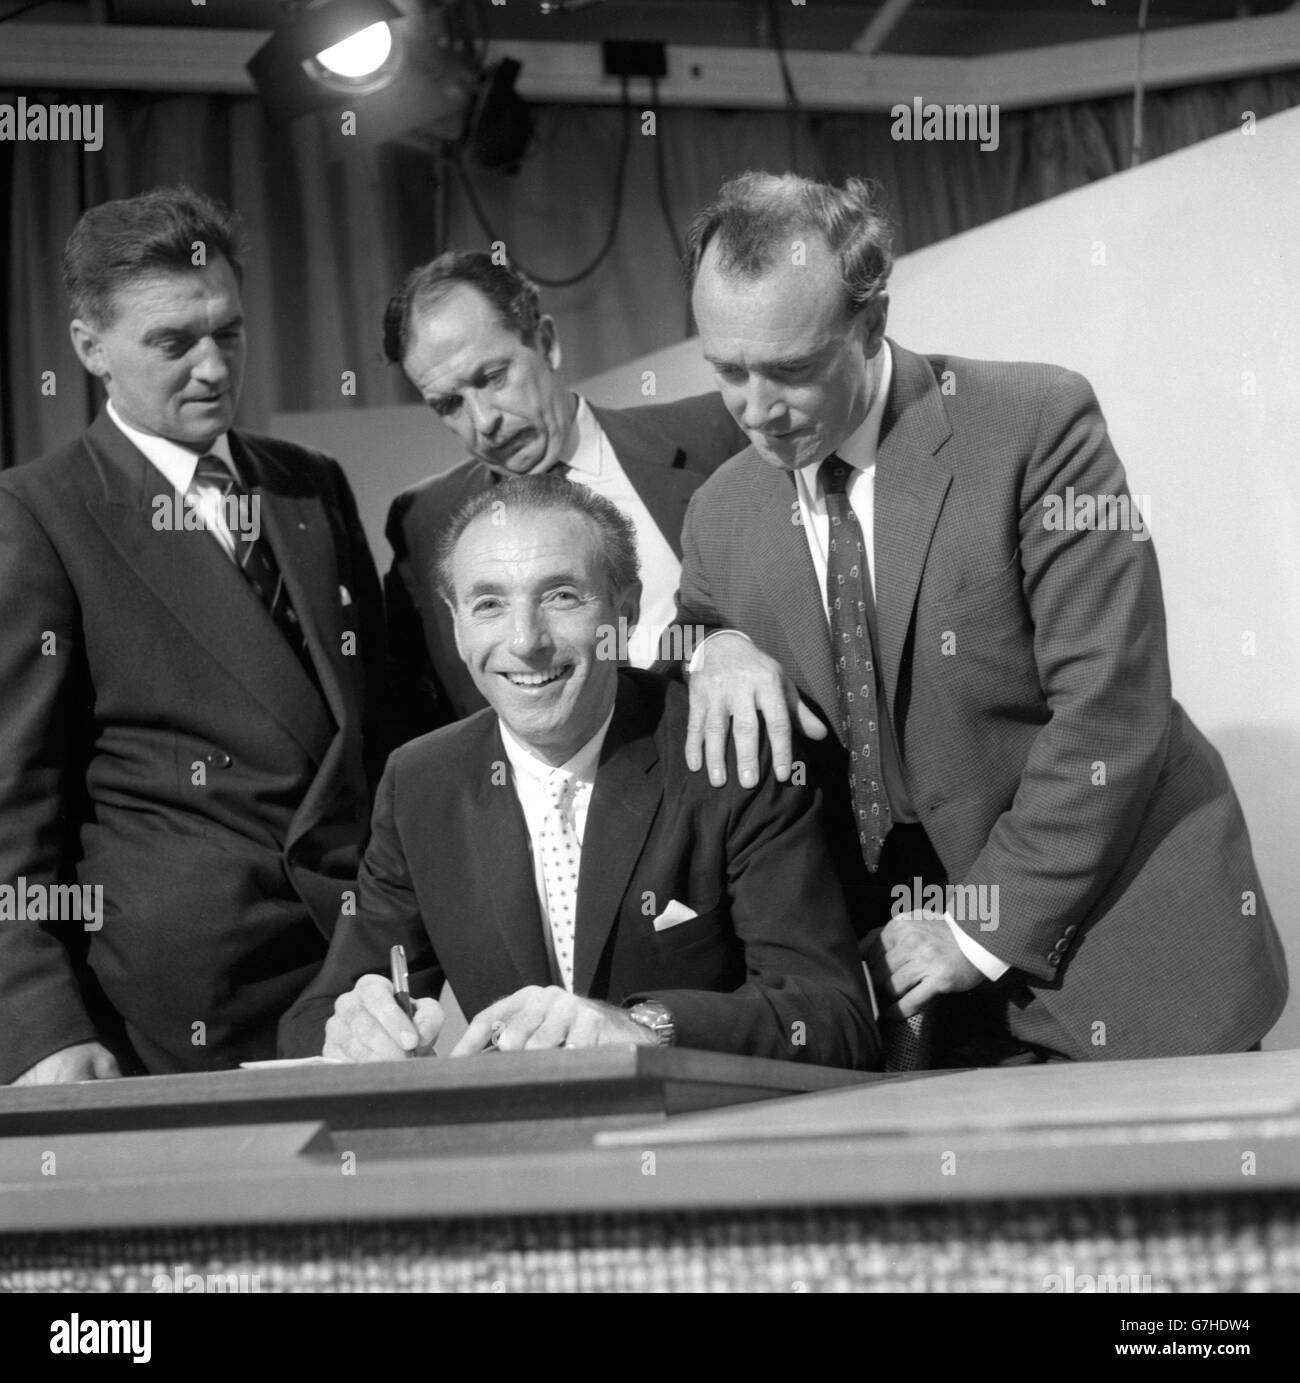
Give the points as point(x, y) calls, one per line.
point(471, 337)
point(190, 670)
point(554, 850)
point(1050, 848)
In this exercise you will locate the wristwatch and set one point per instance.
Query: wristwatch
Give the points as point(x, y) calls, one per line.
point(655, 1018)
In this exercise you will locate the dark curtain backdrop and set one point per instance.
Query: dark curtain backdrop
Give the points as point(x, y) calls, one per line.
point(332, 225)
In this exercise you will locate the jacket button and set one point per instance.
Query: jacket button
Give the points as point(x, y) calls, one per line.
point(218, 758)
point(1070, 931)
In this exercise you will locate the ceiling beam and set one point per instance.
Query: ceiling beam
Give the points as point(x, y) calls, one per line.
point(127, 57)
point(114, 57)
point(883, 23)
point(750, 78)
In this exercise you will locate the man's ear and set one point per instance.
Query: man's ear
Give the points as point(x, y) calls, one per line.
point(450, 603)
point(874, 316)
point(548, 340)
point(86, 343)
point(629, 604)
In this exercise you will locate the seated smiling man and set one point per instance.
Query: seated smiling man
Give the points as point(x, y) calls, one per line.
point(555, 850)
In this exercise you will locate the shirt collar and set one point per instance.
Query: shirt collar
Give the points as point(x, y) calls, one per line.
point(859, 447)
point(175, 462)
point(585, 440)
point(530, 769)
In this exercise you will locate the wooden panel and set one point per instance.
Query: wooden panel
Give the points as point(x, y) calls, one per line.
point(1174, 1090)
point(1185, 1125)
point(524, 1085)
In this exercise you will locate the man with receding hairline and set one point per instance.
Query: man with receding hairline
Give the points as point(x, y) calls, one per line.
point(553, 859)
point(191, 672)
point(988, 692)
point(472, 338)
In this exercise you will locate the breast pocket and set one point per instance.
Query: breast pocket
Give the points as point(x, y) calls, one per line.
point(985, 638)
point(699, 953)
point(707, 923)
point(972, 592)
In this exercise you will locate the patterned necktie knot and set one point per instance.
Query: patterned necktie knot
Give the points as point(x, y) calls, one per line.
point(560, 787)
point(835, 475)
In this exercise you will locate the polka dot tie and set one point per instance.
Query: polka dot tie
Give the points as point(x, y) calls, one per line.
point(256, 560)
point(560, 859)
point(847, 593)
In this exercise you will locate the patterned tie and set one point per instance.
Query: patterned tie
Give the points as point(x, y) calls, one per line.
point(560, 858)
point(848, 590)
point(255, 559)
point(907, 1044)
point(847, 593)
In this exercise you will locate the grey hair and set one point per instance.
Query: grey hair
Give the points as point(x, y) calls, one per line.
point(535, 494)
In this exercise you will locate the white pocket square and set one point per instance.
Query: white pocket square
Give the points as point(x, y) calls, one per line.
point(345, 596)
point(674, 913)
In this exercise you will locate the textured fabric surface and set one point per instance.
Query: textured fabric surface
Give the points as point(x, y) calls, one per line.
point(1177, 1244)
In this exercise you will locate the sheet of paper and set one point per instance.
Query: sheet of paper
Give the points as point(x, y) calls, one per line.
point(291, 1061)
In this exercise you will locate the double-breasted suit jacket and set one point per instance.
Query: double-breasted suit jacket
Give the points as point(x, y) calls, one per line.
point(159, 739)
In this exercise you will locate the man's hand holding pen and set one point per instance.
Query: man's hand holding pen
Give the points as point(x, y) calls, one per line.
point(368, 1024)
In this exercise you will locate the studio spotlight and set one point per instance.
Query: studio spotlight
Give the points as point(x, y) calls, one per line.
point(499, 125)
point(324, 51)
point(361, 58)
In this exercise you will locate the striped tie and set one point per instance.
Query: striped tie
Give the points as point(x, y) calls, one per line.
point(255, 558)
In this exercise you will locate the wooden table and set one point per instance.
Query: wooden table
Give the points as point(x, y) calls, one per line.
point(637, 1166)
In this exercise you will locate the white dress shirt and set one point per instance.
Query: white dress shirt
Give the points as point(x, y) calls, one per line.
point(595, 465)
point(531, 775)
point(177, 465)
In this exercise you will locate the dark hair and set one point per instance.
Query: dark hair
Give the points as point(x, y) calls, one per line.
point(757, 215)
point(534, 494)
point(117, 242)
point(514, 297)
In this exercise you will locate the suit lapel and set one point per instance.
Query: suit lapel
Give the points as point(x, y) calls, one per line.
point(655, 467)
point(666, 494)
point(910, 493)
point(505, 863)
point(629, 438)
point(188, 573)
point(296, 526)
point(623, 807)
point(782, 566)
